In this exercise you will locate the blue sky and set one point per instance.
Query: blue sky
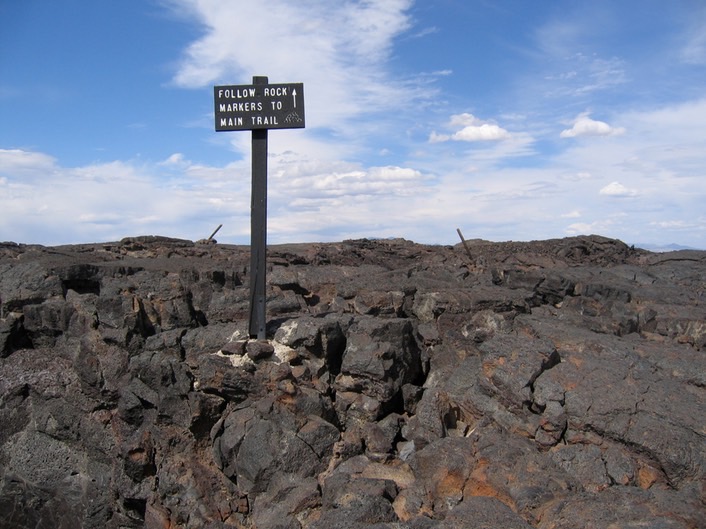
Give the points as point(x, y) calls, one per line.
point(511, 120)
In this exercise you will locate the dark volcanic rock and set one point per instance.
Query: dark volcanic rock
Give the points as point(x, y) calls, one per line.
point(550, 384)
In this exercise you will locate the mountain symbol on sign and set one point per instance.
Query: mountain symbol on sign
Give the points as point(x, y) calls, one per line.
point(292, 117)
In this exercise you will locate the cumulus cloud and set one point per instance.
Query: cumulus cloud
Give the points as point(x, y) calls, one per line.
point(471, 129)
point(484, 132)
point(616, 189)
point(585, 126)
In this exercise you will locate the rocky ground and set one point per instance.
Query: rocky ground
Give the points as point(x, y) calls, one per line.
point(553, 384)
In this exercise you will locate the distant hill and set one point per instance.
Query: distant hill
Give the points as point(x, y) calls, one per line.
point(665, 248)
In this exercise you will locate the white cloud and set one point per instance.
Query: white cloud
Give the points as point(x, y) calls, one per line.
point(585, 126)
point(176, 159)
point(589, 228)
point(15, 162)
point(484, 132)
point(616, 189)
point(373, 181)
point(464, 120)
point(674, 224)
point(434, 137)
point(579, 228)
point(471, 129)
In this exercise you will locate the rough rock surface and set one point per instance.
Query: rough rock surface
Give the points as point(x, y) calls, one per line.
point(551, 384)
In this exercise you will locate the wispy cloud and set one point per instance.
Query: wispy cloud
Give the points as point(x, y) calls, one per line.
point(573, 66)
point(337, 50)
point(693, 51)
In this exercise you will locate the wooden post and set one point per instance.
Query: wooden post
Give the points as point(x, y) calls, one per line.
point(465, 244)
point(214, 232)
point(258, 108)
point(258, 230)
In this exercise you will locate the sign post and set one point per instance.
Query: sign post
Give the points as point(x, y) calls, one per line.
point(258, 108)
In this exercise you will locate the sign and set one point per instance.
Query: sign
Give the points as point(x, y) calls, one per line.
point(259, 106)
